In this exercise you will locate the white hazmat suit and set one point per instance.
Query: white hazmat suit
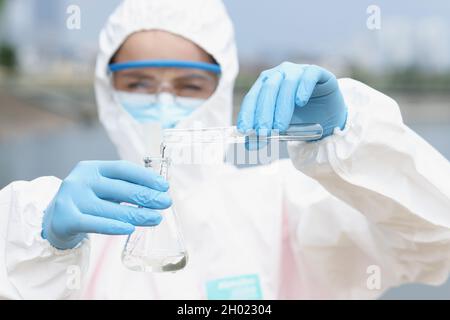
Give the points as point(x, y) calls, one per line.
point(345, 217)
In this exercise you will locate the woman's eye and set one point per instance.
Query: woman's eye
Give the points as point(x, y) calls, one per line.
point(192, 87)
point(137, 85)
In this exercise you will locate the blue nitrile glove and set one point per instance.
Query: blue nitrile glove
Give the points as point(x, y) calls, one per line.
point(88, 201)
point(293, 94)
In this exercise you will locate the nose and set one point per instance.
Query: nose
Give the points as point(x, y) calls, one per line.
point(166, 98)
point(165, 87)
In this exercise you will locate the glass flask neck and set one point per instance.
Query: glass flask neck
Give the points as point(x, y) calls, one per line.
point(161, 165)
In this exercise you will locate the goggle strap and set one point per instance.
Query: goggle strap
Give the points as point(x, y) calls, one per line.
point(215, 68)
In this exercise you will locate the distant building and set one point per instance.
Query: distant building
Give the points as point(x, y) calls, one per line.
point(403, 42)
point(37, 28)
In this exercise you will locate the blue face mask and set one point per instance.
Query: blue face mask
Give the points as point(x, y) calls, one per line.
point(164, 107)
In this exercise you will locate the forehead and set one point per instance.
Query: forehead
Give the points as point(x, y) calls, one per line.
point(159, 45)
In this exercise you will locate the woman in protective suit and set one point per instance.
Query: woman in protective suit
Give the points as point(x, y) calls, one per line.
point(365, 208)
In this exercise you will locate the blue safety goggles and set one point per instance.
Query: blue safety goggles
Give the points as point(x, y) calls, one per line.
point(211, 67)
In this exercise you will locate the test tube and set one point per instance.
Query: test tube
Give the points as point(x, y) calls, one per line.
point(295, 132)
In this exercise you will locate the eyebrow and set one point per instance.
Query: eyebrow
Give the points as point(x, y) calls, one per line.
point(136, 74)
point(194, 76)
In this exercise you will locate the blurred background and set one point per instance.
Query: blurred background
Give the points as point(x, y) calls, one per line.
point(48, 119)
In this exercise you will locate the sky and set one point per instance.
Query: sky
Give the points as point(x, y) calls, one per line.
point(283, 28)
point(317, 25)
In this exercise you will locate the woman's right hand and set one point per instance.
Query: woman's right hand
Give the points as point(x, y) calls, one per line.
point(89, 201)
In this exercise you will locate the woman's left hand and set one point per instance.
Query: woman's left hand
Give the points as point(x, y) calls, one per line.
point(293, 94)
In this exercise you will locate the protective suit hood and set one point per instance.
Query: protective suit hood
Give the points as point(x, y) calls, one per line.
point(204, 22)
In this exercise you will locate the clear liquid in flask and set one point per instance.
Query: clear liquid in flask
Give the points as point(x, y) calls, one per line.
point(160, 248)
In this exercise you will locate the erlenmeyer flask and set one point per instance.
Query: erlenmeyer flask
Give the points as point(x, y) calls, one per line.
point(160, 248)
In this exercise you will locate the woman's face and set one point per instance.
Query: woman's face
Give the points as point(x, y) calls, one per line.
point(161, 45)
